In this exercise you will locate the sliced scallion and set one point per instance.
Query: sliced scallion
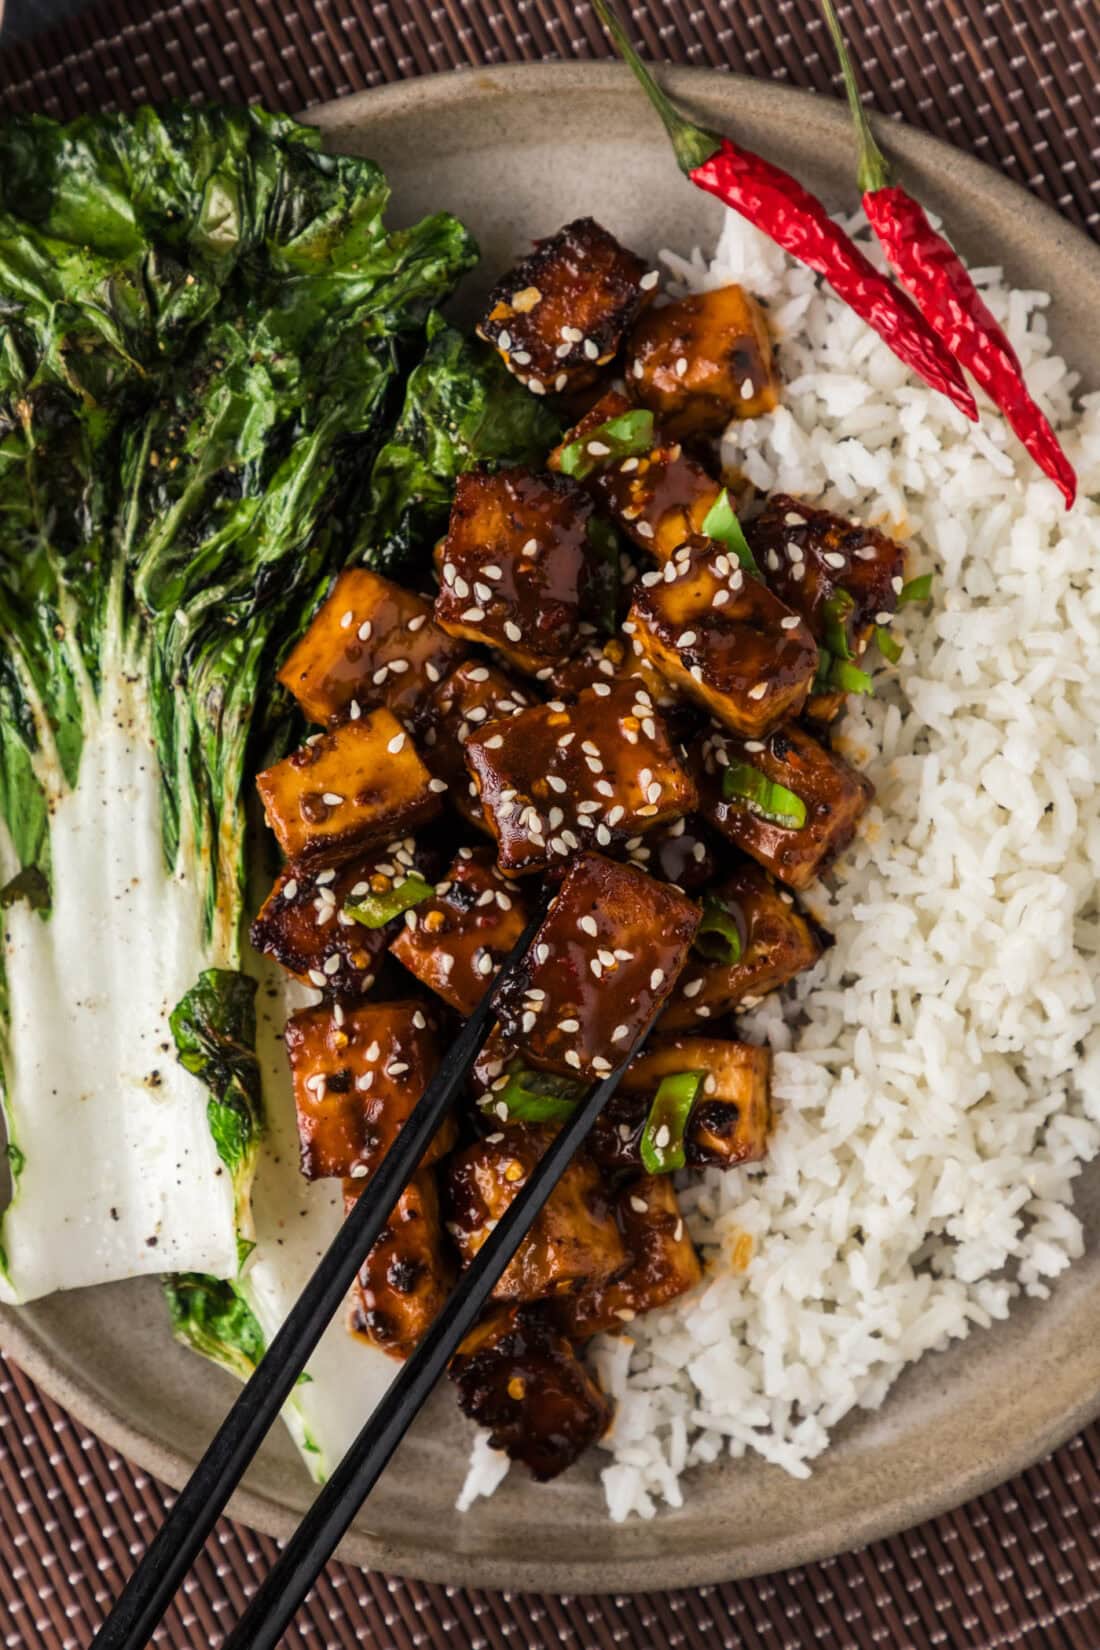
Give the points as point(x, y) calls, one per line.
point(917, 590)
point(718, 937)
point(376, 910)
point(849, 678)
point(836, 611)
point(628, 435)
point(663, 1135)
point(762, 796)
point(721, 523)
point(887, 644)
point(537, 1096)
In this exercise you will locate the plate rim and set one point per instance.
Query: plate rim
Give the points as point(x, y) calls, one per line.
point(95, 1410)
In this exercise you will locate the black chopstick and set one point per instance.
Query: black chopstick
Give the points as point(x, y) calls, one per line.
point(177, 1543)
point(311, 1546)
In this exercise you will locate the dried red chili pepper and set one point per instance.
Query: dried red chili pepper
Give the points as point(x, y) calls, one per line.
point(778, 204)
point(931, 269)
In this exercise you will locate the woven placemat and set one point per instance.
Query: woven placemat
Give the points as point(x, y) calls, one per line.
point(1015, 83)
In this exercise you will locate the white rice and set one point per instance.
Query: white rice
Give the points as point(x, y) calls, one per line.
point(935, 1108)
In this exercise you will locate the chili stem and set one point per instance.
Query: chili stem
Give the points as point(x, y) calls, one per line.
point(874, 171)
point(692, 144)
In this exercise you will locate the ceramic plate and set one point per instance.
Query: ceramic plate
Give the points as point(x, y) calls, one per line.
point(516, 152)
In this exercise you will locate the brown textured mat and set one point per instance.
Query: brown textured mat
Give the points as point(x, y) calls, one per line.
point(1014, 81)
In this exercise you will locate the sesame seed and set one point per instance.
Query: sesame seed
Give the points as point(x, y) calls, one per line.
point(693, 987)
point(572, 1058)
point(473, 615)
point(399, 666)
point(657, 979)
point(527, 1023)
point(397, 743)
point(573, 334)
point(482, 591)
point(290, 888)
point(531, 548)
point(533, 993)
point(702, 1012)
point(484, 963)
point(416, 624)
point(561, 352)
point(791, 622)
point(432, 672)
point(461, 588)
point(639, 1205)
point(597, 967)
point(512, 631)
point(373, 1051)
point(670, 572)
point(643, 530)
point(396, 1068)
point(522, 357)
point(772, 561)
point(687, 638)
point(653, 793)
point(696, 673)
point(556, 784)
point(796, 552)
point(798, 572)
point(681, 366)
point(316, 977)
point(501, 1111)
point(410, 920)
point(628, 466)
point(662, 1137)
point(536, 386)
point(884, 618)
point(354, 711)
point(600, 1065)
point(380, 675)
point(494, 742)
point(359, 1171)
point(332, 798)
point(504, 339)
point(485, 898)
point(542, 953)
point(897, 584)
point(598, 449)
point(591, 350)
point(793, 519)
point(364, 631)
point(437, 785)
point(446, 964)
point(833, 558)
point(561, 381)
point(758, 691)
point(345, 622)
point(650, 579)
point(332, 964)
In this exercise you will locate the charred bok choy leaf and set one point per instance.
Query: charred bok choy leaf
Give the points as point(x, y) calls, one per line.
point(202, 322)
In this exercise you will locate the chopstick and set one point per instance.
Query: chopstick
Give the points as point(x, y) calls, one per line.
point(305, 1555)
point(170, 1554)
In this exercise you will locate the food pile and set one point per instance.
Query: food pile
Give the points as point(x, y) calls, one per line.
point(614, 697)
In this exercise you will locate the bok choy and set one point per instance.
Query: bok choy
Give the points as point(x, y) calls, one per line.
point(202, 321)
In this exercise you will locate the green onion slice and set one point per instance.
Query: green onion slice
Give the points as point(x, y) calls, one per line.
point(721, 523)
point(628, 435)
point(917, 590)
point(849, 678)
point(376, 910)
point(663, 1135)
point(718, 937)
point(762, 796)
point(888, 645)
point(836, 611)
point(537, 1096)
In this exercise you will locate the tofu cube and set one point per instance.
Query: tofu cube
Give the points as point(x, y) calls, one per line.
point(560, 315)
point(793, 839)
point(456, 942)
point(347, 790)
point(471, 695)
point(730, 1121)
point(370, 643)
point(777, 943)
point(722, 638)
point(518, 1376)
point(702, 360)
point(663, 1263)
point(574, 1238)
point(357, 1075)
point(838, 575)
point(660, 498)
point(558, 777)
point(303, 926)
point(601, 966)
point(514, 566)
point(610, 661)
point(404, 1282)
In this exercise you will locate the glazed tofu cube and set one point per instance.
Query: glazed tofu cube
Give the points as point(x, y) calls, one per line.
point(574, 1238)
point(797, 830)
point(610, 661)
point(722, 638)
point(347, 790)
point(776, 943)
point(518, 1376)
point(730, 1121)
point(470, 696)
point(559, 777)
point(371, 643)
point(663, 1262)
point(659, 497)
point(559, 316)
point(514, 566)
point(844, 579)
point(357, 1075)
point(405, 1280)
point(603, 962)
point(304, 926)
point(702, 360)
point(456, 942)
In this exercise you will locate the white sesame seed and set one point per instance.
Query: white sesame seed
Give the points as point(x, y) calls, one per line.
point(364, 631)
point(643, 530)
point(681, 366)
point(527, 1023)
point(316, 977)
point(473, 615)
point(522, 357)
point(639, 1205)
point(484, 963)
point(504, 340)
point(657, 979)
point(345, 622)
point(556, 784)
point(572, 1058)
point(437, 785)
point(397, 743)
point(416, 624)
point(432, 672)
point(290, 888)
point(897, 584)
point(798, 572)
point(662, 1137)
point(687, 638)
point(591, 350)
point(396, 1068)
point(399, 666)
point(482, 591)
point(600, 1065)
point(561, 352)
point(531, 548)
point(359, 1171)
point(758, 691)
point(597, 967)
point(542, 953)
point(536, 386)
point(653, 794)
point(773, 562)
point(512, 631)
point(693, 987)
point(600, 689)
point(884, 618)
point(573, 334)
point(791, 622)
point(598, 449)
point(461, 588)
point(561, 381)
point(833, 558)
point(332, 798)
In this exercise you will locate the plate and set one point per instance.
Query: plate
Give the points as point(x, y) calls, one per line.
point(515, 152)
